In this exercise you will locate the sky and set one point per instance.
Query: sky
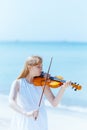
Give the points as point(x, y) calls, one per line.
point(43, 20)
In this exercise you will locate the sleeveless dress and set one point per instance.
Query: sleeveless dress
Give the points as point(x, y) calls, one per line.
point(28, 98)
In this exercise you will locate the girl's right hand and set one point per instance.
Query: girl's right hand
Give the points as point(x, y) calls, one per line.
point(35, 114)
point(32, 113)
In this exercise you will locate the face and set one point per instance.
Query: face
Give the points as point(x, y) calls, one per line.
point(36, 70)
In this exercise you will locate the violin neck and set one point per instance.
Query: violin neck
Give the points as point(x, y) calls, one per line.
point(56, 79)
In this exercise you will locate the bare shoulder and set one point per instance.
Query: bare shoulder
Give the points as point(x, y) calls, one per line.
point(16, 84)
point(14, 89)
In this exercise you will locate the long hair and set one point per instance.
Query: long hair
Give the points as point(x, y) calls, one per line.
point(31, 61)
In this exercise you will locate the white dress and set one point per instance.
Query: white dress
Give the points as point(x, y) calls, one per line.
point(28, 98)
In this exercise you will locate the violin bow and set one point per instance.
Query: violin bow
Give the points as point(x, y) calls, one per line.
point(47, 75)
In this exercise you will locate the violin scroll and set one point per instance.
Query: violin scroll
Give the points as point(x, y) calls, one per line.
point(76, 86)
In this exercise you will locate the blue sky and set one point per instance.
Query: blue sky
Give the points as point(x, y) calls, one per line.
point(43, 20)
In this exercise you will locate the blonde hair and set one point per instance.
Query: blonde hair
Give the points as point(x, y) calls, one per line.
point(30, 61)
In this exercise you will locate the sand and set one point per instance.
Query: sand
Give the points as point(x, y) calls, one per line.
point(57, 119)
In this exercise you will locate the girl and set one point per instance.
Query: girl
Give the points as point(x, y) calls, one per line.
point(24, 98)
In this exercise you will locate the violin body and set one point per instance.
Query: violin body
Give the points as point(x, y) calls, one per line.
point(40, 81)
point(53, 82)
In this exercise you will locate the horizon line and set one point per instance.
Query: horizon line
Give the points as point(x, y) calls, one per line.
point(60, 41)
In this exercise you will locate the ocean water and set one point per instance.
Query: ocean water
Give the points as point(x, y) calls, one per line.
point(69, 61)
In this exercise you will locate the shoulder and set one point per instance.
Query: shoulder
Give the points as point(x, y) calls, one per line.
point(16, 84)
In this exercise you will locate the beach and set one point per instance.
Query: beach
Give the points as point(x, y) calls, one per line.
point(60, 119)
point(69, 61)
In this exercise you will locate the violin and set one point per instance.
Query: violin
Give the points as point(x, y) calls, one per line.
point(53, 82)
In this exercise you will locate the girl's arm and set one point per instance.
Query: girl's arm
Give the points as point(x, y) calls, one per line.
point(54, 100)
point(13, 97)
point(13, 101)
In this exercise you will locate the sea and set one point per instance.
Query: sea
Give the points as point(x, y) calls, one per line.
point(69, 60)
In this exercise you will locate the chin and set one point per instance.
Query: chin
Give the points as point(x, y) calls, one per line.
point(39, 74)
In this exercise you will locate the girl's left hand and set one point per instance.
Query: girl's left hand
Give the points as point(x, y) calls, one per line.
point(66, 84)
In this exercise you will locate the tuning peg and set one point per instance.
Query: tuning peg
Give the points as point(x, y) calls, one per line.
point(75, 89)
point(75, 83)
